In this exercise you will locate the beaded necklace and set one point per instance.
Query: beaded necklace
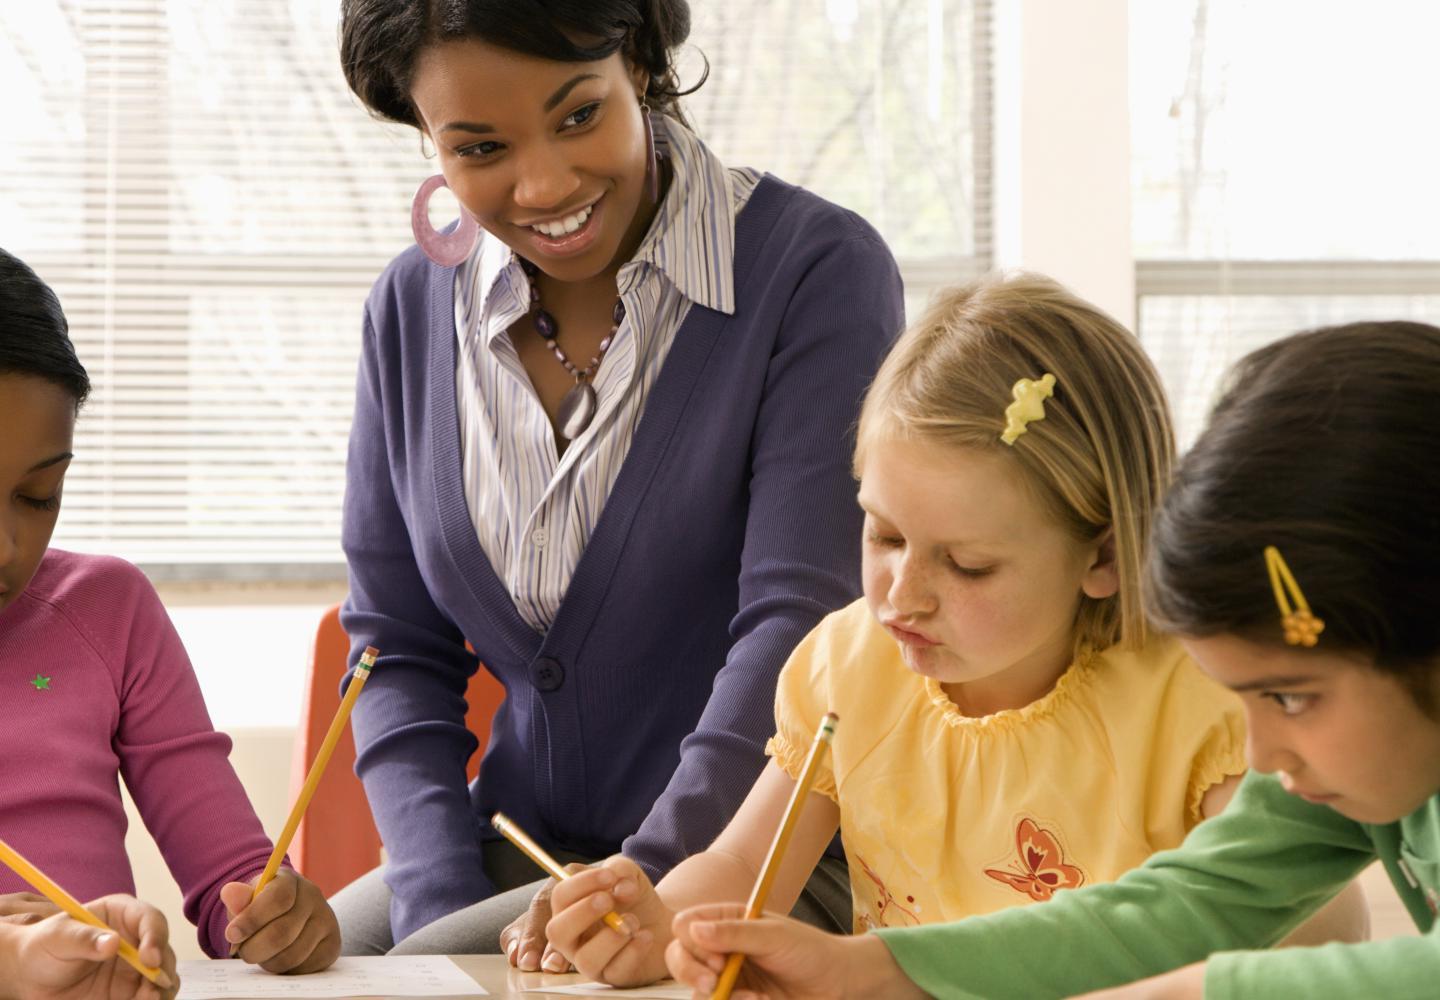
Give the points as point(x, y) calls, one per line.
point(578, 407)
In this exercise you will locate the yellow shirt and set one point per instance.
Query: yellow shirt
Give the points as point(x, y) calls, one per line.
point(945, 816)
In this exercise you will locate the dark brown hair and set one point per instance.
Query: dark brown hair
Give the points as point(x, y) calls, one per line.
point(34, 336)
point(380, 41)
point(1323, 445)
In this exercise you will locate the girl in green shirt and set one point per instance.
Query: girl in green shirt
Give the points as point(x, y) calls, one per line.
point(1315, 479)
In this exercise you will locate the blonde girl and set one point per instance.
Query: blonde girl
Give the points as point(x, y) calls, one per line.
point(1009, 727)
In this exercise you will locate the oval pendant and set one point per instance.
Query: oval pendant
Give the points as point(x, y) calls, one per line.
point(577, 409)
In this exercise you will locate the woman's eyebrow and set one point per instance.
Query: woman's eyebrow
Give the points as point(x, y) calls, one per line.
point(568, 86)
point(480, 128)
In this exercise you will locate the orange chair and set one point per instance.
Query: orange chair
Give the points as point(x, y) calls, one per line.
point(337, 842)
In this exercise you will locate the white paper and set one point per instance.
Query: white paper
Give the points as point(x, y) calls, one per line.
point(660, 991)
point(397, 976)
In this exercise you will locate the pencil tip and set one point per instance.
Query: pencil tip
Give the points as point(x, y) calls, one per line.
point(163, 980)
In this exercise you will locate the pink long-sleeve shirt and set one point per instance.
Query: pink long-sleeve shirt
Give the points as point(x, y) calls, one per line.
point(95, 685)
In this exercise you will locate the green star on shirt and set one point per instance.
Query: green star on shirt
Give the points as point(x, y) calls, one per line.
point(41, 683)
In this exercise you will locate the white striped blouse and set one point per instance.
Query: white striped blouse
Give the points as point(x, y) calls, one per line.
point(534, 509)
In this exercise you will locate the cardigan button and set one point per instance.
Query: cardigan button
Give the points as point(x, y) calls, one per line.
point(547, 674)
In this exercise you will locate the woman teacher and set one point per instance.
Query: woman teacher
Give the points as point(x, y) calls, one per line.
point(602, 432)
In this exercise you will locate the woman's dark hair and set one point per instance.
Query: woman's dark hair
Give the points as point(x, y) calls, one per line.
point(380, 41)
point(34, 337)
point(1323, 445)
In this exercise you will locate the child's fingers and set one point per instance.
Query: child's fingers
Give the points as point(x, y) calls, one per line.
point(26, 907)
point(300, 954)
point(138, 922)
point(154, 937)
point(553, 961)
point(584, 883)
point(71, 941)
point(749, 937)
point(263, 947)
point(683, 924)
point(236, 896)
point(689, 969)
point(611, 958)
point(569, 928)
point(275, 900)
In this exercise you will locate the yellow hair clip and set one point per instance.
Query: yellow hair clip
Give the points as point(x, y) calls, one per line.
point(1030, 395)
point(1301, 627)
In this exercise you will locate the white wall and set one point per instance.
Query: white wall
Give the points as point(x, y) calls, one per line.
point(1062, 146)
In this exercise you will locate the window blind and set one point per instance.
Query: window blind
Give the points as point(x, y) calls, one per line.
point(212, 206)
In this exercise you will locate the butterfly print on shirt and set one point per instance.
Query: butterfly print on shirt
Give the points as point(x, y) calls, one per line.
point(1042, 868)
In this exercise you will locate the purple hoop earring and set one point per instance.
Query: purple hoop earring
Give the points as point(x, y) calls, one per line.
point(652, 163)
point(447, 249)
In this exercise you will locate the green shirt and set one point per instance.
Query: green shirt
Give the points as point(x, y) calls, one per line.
point(1242, 880)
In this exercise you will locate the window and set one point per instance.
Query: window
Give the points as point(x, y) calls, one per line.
point(211, 205)
point(1283, 176)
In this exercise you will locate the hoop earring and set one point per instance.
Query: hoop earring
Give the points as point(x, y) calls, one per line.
point(652, 163)
point(445, 249)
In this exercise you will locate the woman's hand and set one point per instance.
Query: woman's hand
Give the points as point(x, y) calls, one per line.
point(288, 928)
point(578, 930)
point(524, 942)
point(784, 958)
point(1186, 983)
point(57, 958)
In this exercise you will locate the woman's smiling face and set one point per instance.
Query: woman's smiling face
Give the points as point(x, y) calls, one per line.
point(549, 157)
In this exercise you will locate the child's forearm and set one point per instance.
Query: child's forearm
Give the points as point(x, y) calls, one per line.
point(713, 876)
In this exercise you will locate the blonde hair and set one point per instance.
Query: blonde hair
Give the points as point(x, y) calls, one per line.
point(1102, 456)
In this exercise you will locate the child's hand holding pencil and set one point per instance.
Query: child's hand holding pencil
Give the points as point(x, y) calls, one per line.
point(287, 928)
point(59, 956)
point(596, 950)
point(280, 920)
point(785, 959)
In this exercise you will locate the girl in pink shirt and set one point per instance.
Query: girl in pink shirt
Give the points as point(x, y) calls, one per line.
point(95, 685)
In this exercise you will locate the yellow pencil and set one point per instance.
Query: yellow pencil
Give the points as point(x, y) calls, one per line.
point(756, 906)
point(317, 769)
point(505, 826)
point(72, 906)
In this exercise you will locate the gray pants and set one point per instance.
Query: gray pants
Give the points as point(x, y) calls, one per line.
point(363, 907)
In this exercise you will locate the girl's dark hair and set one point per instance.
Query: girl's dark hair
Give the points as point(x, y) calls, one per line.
point(380, 41)
point(34, 337)
point(1324, 446)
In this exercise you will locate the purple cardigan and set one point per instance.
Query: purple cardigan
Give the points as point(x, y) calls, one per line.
point(638, 721)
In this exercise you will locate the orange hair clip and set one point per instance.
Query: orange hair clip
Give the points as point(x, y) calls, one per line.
point(1301, 627)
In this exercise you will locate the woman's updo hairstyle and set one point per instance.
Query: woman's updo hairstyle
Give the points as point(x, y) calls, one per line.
point(381, 40)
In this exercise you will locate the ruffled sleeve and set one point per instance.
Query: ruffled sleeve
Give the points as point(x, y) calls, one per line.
point(1202, 730)
point(1221, 756)
point(802, 697)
